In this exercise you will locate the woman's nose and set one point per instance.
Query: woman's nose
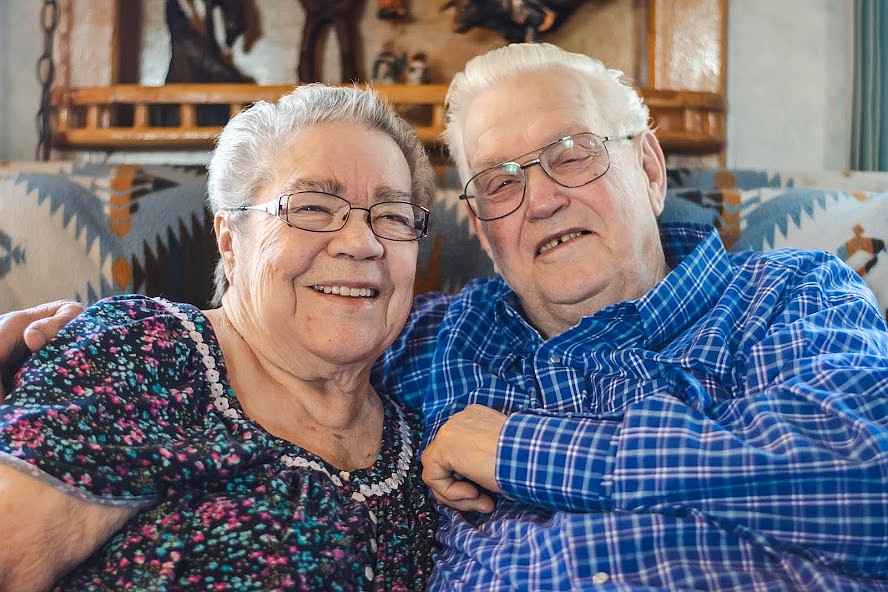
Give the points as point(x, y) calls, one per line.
point(356, 238)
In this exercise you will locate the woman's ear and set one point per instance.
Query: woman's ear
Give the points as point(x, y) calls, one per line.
point(654, 164)
point(225, 241)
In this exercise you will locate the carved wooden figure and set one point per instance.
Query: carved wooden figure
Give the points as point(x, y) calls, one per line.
point(342, 15)
point(197, 56)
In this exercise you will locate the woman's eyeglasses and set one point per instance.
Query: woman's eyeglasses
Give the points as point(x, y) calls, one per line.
point(316, 211)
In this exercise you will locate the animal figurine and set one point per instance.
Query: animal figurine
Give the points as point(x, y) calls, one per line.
point(514, 20)
point(388, 67)
point(392, 10)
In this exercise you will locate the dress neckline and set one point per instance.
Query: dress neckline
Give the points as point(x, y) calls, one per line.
point(223, 398)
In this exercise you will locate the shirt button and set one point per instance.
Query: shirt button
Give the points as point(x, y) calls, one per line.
point(555, 359)
point(368, 571)
point(600, 578)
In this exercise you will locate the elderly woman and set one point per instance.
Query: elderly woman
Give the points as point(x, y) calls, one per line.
point(155, 446)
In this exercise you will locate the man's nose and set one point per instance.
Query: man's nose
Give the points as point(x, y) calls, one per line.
point(544, 196)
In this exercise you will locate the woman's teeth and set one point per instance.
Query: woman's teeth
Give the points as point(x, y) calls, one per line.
point(561, 239)
point(346, 291)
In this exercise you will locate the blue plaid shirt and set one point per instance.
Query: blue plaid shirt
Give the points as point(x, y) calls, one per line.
point(727, 431)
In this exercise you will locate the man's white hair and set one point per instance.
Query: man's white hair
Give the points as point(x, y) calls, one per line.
point(609, 90)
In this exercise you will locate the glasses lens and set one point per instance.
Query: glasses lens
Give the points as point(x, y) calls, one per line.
point(315, 211)
point(398, 220)
point(496, 192)
point(575, 160)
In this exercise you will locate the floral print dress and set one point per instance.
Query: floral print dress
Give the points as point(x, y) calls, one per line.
point(130, 405)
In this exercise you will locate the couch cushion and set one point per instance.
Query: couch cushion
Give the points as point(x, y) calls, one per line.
point(853, 225)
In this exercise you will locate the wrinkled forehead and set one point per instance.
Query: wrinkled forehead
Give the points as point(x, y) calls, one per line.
point(340, 158)
point(525, 112)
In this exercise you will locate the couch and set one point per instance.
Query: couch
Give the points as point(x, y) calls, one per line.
point(86, 231)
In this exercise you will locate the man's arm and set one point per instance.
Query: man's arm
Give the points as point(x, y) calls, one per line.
point(47, 532)
point(796, 438)
point(28, 330)
point(810, 448)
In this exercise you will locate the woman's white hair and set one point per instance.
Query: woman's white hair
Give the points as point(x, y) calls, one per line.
point(247, 149)
point(612, 94)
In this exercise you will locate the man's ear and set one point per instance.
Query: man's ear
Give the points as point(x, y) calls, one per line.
point(654, 165)
point(224, 240)
point(479, 231)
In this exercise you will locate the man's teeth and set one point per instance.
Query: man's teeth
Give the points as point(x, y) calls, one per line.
point(561, 239)
point(346, 291)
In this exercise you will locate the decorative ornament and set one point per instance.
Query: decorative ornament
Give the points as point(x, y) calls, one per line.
point(392, 10)
point(515, 20)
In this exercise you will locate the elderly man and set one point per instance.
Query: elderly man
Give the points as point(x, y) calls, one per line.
point(629, 406)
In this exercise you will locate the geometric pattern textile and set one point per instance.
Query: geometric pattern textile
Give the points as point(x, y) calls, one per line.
point(760, 211)
point(78, 231)
point(87, 231)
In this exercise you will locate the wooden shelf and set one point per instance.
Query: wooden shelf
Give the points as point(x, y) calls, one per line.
point(126, 116)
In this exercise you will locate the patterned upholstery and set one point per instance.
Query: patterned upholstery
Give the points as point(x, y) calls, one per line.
point(755, 210)
point(87, 231)
point(84, 232)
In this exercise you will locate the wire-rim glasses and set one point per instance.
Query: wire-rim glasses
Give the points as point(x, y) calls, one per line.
point(316, 211)
point(571, 161)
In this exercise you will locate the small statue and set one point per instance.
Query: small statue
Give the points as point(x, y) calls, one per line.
point(418, 69)
point(389, 65)
point(196, 56)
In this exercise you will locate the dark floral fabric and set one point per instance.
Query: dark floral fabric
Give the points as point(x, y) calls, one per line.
point(130, 405)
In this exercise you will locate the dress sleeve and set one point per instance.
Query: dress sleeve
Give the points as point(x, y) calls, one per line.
point(114, 408)
point(799, 453)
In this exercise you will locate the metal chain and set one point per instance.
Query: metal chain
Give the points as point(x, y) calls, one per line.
point(49, 20)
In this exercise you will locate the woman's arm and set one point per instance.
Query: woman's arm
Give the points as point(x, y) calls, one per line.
point(47, 532)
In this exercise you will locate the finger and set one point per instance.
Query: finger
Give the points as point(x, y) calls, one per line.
point(478, 502)
point(461, 495)
point(2, 391)
point(42, 330)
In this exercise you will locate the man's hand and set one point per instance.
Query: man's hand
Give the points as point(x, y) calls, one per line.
point(27, 330)
point(460, 463)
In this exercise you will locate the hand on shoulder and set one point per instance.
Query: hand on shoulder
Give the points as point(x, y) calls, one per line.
point(25, 331)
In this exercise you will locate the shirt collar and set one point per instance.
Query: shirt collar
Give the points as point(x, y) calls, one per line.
point(700, 273)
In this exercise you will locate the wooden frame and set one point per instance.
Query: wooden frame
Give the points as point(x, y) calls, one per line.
point(685, 91)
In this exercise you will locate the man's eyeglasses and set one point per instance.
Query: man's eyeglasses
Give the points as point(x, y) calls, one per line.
point(316, 211)
point(572, 161)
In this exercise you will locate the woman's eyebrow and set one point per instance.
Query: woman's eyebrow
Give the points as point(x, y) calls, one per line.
point(392, 194)
point(322, 185)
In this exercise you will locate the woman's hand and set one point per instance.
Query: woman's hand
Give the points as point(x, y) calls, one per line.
point(28, 330)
